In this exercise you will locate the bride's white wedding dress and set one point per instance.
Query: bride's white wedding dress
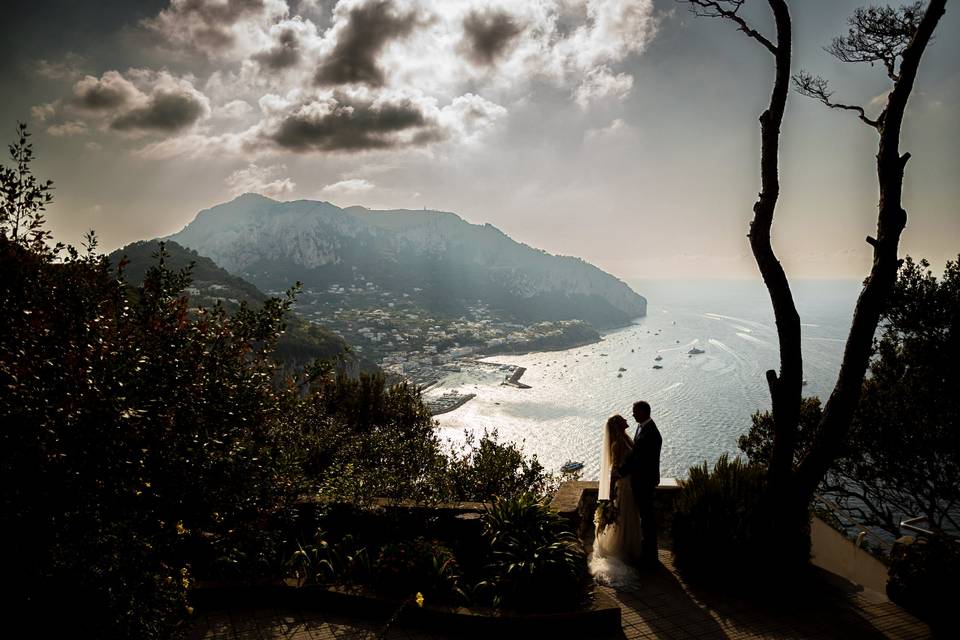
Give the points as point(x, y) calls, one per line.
point(619, 543)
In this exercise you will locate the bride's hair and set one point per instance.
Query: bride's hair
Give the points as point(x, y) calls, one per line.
point(616, 422)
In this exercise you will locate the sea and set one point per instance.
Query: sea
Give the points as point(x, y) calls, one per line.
point(701, 402)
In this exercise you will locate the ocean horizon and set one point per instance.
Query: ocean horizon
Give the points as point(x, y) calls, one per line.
point(702, 403)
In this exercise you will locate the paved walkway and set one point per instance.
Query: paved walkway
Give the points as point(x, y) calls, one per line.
point(662, 608)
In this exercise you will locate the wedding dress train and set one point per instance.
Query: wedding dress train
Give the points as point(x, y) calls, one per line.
point(618, 545)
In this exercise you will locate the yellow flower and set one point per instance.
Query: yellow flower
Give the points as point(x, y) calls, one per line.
point(419, 599)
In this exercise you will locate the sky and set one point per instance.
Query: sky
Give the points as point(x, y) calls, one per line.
point(623, 132)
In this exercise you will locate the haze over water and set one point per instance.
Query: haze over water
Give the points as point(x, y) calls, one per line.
point(701, 403)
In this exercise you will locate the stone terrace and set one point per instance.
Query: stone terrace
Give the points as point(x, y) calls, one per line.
point(662, 607)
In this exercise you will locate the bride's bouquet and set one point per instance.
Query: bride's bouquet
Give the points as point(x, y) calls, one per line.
point(607, 511)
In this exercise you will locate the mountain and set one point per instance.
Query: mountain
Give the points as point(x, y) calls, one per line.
point(301, 343)
point(441, 261)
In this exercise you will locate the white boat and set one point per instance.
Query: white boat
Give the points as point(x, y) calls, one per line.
point(695, 351)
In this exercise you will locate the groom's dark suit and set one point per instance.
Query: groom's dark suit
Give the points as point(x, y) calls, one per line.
point(643, 467)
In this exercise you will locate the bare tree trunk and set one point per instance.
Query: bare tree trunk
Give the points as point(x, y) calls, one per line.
point(785, 389)
point(842, 404)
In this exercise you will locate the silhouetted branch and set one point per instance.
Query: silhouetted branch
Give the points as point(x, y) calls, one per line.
point(728, 10)
point(878, 34)
point(817, 88)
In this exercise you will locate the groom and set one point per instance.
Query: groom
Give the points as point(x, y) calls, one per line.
point(643, 467)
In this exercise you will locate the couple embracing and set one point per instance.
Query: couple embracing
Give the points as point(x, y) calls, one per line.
point(629, 475)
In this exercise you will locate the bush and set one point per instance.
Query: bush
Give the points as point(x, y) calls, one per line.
point(417, 566)
point(723, 529)
point(923, 577)
point(481, 470)
point(537, 563)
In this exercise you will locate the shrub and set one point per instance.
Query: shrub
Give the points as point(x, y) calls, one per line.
point(418, 566)
point(344, 562)
point(723, 528)
point(536, 562)
point(486, 468)
point(923, 577)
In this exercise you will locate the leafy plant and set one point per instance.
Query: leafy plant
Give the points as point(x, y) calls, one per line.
point(344, 562)
point(923, 577)
point(536, 562)
point(420, 565)
point(723, 529)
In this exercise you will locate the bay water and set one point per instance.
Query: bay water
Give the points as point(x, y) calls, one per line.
point(701, 402)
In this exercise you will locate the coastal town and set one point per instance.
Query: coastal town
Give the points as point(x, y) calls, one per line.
point(396, 332)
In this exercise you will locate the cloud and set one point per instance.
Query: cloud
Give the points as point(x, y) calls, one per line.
point(263, 180)
point(107, 93)
point(601, 83)
point(72, 128)
point(214, 27)
point(352, 185)
point(161, 103)
point(361, 30)
point(488, 35)
point(360, 75)
point(165, 111)
point(43, 112)
point(357, 122)
point(66, 69)
point(285, 53)
point(233, 110)
point(470, 116)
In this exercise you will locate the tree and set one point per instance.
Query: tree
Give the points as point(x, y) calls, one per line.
point(23, 198)
point(902, 455)
point(899, 42)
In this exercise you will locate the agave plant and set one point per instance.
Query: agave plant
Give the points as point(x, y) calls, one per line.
point(536, 562)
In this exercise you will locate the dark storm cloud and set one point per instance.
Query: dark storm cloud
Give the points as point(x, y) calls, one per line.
point(353, 125)
point(369, 28)
point(489, 35)
point(107, 93)
point(285, 54)
point(167, 111)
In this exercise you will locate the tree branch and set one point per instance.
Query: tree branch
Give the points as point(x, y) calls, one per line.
point(817, 88)
point(891, 219)
point(728, 10)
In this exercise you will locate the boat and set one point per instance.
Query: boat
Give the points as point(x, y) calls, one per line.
point(694, 351)
point(570, 466)
point(803, 383)
point(658, 358)
point(619, 375)
point(621, 369)
point(658, 366)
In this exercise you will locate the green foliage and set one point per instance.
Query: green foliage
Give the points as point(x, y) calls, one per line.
point(300, 344)
point(757, 443)
point(724, 530)
point(424, 566)
point(923, 577)
point(369, 439)
point(902, 455)
point(145, 442)
point(481, 470)
point(116, 408)
point(345, 562)
point(537, 563)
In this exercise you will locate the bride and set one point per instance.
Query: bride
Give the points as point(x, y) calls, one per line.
point(617, 542)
